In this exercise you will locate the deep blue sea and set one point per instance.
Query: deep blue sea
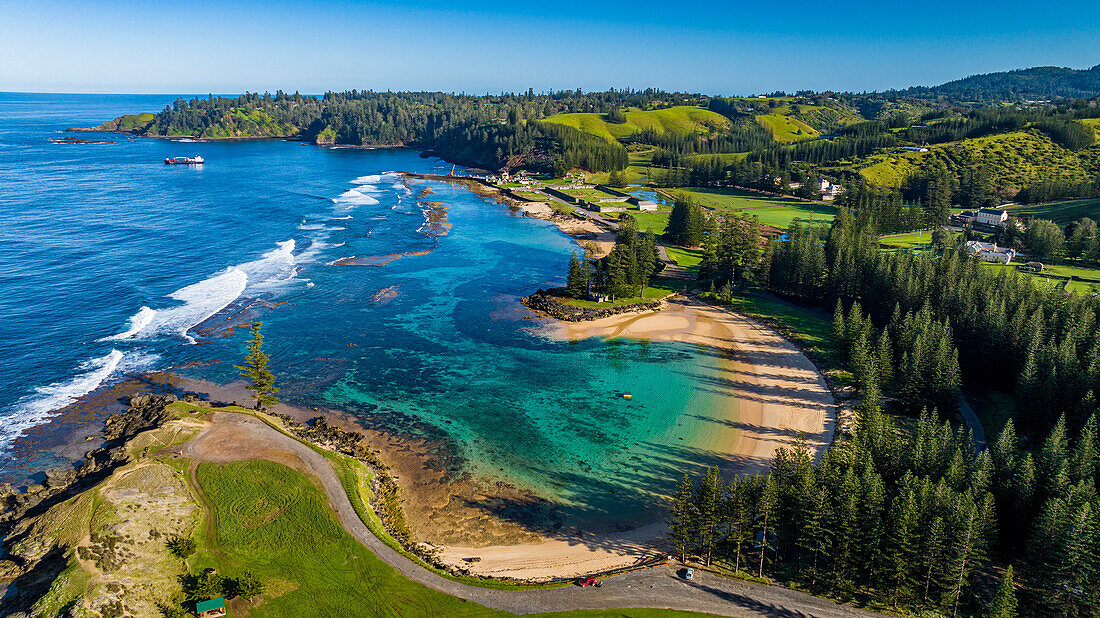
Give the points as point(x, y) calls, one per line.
point(113, 264)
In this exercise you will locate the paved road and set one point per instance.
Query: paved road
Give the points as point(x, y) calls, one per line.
point(658, 587)
point(671, 268)
point(973, 423)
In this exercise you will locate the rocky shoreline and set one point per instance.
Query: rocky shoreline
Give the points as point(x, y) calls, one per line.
point(146, 412)
point(546, 303)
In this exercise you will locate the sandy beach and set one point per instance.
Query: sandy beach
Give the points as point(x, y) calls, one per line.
point(775, 396)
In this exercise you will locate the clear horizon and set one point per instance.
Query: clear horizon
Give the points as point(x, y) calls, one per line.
point(706, 47)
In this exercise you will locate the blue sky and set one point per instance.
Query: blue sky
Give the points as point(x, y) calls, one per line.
point(707, 46)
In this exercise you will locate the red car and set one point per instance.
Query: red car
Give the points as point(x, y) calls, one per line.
point(589, 581)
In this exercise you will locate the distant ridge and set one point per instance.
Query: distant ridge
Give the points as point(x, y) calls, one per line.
point(1037, 83)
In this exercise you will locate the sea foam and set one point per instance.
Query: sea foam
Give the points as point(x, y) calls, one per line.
point(138, 323)
point(35, 409)
point(355, 197)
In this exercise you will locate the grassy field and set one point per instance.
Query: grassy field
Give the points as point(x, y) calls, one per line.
point(655, 222)
point(725, 158)
point(1062, 213)
point(890, 169)
point(786, 129)
point(591, 195)
point(682, 120)
point(687, 258)
point(635, 173)
point(534, 197)
point(775, 211)
point(274, 522)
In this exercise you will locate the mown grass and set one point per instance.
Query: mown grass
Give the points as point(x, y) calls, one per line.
point(1062, 213)
point(274, 522)
point(688, 259)
point(681, 120)
point(909, 240)
point(774, 211)
point(653, 221)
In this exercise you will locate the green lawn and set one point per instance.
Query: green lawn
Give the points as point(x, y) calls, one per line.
point(534, 197)
point(775, 211)
point(274, 522)
point(686, 258)
point(590, 195)
point(681, 120)
point(1062, 213)
point(651, 221)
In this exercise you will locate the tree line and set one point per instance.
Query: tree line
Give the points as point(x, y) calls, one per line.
point(624, 272)
point(1008, 330)
point(911, 519)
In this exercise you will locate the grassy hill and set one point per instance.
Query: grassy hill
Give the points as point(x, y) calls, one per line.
point(682, 120)
point(786, 129)
point(1019, 158)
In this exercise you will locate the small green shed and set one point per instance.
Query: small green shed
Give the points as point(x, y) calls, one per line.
point(211, 608)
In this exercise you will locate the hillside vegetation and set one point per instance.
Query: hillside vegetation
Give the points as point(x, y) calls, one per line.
point(1037, 83)
point(786, 129)
point(679, 120)
point(1017, 159)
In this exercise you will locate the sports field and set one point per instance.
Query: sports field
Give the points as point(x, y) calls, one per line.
point(1062, 213)
point(775, 211)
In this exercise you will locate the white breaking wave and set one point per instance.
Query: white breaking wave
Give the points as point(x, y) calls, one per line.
point(344, 218)
point(367, 180)
point(315, 247)
point(138, 322)
point(35, 409)
point(202, 300)
point(320, 226)
point(355, 197)
point(274, 268)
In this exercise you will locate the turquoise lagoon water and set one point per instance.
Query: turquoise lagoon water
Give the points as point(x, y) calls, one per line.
point(114, 264)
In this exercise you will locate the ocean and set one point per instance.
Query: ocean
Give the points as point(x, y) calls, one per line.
point(113, 264)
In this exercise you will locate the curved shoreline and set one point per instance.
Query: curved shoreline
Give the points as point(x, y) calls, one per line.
point(776, 397)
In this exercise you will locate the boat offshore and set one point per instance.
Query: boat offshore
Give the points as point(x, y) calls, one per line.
point(195, 160)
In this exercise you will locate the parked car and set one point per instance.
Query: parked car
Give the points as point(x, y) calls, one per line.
point(589, 581)
point(689, 574)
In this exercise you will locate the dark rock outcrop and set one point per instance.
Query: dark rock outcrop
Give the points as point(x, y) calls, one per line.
point(545, 302)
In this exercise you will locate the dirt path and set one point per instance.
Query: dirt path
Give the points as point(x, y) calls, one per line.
point(235, 437)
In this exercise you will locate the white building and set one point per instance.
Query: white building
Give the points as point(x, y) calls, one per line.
point(647, 206)
point(828, 190)
point(989, 252)
point(993, 217)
